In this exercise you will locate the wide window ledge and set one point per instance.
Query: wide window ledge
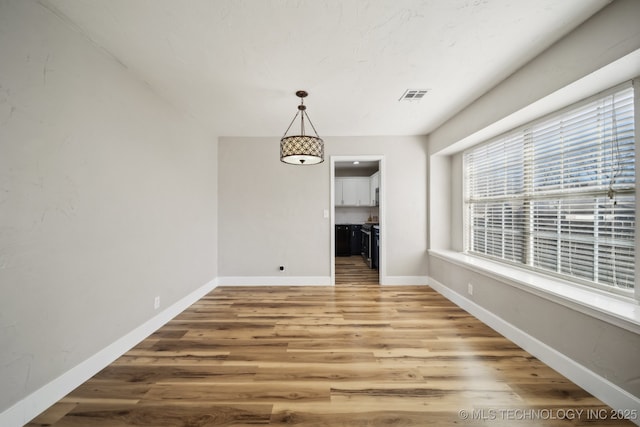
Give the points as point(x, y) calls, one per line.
point(618, 310)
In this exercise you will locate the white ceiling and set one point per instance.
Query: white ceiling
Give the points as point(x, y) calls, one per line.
point(235, 65)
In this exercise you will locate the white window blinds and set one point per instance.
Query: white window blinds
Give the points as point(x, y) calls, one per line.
point(559, 194)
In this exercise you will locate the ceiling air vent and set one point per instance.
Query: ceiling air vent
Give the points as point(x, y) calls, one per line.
point(413, 94)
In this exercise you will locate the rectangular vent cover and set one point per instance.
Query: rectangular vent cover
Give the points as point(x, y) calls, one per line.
point(413, 94)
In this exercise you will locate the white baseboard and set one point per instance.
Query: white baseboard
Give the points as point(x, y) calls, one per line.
point(598, 386)
point(31, 406)
point(310, 280)
point(404, 280)
point(275, 281)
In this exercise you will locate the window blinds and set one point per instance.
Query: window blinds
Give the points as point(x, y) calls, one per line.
point(559, 194)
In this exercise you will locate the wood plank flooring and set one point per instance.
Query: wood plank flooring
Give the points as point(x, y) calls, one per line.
point(352, 270)
point(350, 355)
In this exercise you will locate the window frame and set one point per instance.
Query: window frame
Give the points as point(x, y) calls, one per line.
point(605, 289)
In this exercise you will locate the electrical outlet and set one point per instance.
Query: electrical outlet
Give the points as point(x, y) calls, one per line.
point(156, 303)
point(469, 288)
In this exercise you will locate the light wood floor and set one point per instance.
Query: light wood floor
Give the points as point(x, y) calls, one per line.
point(349, 355)
point(352, 270)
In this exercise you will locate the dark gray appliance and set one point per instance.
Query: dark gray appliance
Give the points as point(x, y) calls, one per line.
point(375, 250)
point(367, 243)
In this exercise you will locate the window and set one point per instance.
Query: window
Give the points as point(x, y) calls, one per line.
point(558, 194)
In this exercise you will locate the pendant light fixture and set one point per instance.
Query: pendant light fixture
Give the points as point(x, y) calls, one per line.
point(301, 149)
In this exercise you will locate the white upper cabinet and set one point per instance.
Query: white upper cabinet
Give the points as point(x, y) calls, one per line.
point(374, 184)
point(352, 191)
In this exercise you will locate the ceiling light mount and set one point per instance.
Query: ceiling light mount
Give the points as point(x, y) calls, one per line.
point(301, 149)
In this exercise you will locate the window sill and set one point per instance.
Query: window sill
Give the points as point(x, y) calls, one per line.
point(617, 310)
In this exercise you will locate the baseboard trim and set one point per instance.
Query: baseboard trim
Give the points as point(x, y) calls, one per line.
point(598, 386)
point(31, 406)
point(274, 281)
point(311, 280)
point(404, 280)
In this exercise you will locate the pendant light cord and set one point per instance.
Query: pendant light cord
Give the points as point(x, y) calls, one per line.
point(312, 127)
point(291, 124)
point(302, 111)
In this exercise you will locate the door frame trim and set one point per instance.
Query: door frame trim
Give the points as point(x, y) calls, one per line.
point(381, 211)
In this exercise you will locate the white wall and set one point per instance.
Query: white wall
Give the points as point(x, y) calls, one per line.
point(604, 349)
point(107, 199)
point(271, 213)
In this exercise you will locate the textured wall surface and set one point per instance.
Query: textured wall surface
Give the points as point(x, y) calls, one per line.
point(107, 200)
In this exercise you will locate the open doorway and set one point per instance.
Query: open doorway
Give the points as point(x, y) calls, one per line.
point(357, 230)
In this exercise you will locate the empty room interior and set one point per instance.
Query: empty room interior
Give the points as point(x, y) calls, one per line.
point(319, 213)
